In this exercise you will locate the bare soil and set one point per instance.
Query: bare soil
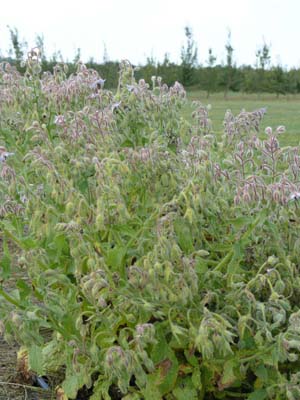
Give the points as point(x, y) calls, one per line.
point(11, 388)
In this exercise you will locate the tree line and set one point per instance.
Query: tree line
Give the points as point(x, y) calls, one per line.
point(212, 77)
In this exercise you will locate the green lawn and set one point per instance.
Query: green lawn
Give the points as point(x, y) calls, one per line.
point(282, 111)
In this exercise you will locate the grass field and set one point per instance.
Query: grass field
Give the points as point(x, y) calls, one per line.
point(284, 110)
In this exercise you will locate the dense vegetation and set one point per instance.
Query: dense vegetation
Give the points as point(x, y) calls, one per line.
point(212, 76)
point(164, 261)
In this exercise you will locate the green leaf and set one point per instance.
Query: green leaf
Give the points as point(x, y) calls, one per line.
point(184, 235)
point(24, 289)
point(151, 391)
point(262, 373)
point(70, 386)
point(196, 378)
point(115, 258)
point(201, 266)
point(233, 266)
point(166, 364)
point(5, 262)
point(29, 243)
point(101, 388)
point(240, 222)
point(35, 359)
point(228, 377)
point(185, 389)
point(259, 394)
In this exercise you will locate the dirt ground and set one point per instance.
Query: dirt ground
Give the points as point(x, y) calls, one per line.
point(10, 388)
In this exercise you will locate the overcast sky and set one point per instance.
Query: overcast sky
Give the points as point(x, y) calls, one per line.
point(135, 29)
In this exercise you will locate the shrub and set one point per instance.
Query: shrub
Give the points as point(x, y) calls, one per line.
point(161, 269)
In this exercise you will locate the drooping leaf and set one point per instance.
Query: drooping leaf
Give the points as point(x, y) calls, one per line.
point(228, 377)
point(184, 235)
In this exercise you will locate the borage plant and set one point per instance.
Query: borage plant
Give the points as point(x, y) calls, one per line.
point(161, 269)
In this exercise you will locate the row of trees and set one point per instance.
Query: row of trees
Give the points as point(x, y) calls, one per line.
point(211, 77)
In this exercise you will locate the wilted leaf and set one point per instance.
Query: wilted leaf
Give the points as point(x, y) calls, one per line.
point(228, 377)
point(166, 365)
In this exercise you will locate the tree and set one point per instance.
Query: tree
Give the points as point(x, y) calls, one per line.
point(263, 60)
point(17, 45)
point(169, 71)
point(77, 56)
point(263, 56)
point(229, 70)
point(279, 82)
point(211, 58)
point(189, 56)
point(229, 51)
point(39, 41)
point(148, 70)
point(105, 54)
point(210, 74)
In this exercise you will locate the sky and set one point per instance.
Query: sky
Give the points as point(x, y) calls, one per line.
point(137, 29)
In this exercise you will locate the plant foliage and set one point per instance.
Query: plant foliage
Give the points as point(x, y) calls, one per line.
point(163, 260)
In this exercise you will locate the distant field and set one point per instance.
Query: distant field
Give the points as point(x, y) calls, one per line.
point(282, 111)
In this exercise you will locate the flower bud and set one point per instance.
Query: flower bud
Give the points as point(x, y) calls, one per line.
point(269, 130)
point(280, 129)
point(69, 208)
point(16, 319)
point(88, 285)
point(272, 260)
point(237, 200)
point(292, 357)
point(246, 197)
point(98, 286)
point(100, 225)
point(60, 394)
point(279, 287)
point(101, 303)
point(91, 263)
point(276, 196)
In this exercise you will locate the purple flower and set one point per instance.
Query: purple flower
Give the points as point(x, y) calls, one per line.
point(269, 130)
point(115, 106)
point(294, 196)
point(280, 129)
point(98, 84)
point(59, 120)
point(132, 89)
point(4, 154)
